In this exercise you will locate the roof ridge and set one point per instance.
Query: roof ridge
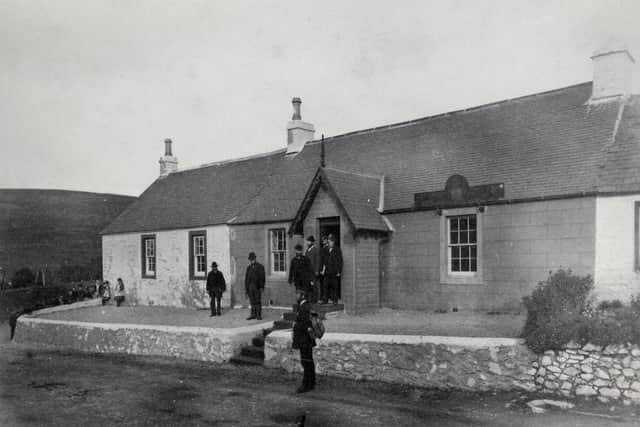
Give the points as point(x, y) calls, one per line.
point(229, 161)
point(69, 191)
point(446, 114)
point(355, 173)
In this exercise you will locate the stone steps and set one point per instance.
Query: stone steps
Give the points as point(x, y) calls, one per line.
point(253, 354)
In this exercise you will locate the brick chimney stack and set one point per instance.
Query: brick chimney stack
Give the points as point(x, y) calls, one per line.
point(298, 131)
point(168, 163)
point(612, 73)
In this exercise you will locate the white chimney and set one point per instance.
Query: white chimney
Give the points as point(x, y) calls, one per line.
point(298, 132)
point(612, 73)
point(168, 163)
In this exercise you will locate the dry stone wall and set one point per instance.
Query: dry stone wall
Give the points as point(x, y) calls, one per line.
point(609, 373)
point(443, 362)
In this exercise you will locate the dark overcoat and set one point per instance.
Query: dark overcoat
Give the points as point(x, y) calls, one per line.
point(301, 272)
point(216, 283)
point(333, 262)
point(254, 277)
point(301, 337)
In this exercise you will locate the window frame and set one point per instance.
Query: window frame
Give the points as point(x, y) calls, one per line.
point(447, 276)
point(271, 251)
point(143, 256)
point(193, 274)
point(450, 246)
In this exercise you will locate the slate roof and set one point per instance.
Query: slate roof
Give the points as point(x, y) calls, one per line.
point(359, 196)
point(544, 145)
point(356, 195)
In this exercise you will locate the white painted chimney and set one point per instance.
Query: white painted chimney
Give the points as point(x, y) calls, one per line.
point(298, 132)
point(168, 163)
point(612, 73)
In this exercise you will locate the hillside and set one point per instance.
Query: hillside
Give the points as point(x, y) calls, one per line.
point(48, 228)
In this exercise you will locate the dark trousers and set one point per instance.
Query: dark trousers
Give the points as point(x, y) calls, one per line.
point(323, 283)
point(333, 287)
point(119, 300)
point(308, 367)
point(215, 300)
point(255, 298)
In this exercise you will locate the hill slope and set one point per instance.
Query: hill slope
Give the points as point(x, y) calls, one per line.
point(48, 228)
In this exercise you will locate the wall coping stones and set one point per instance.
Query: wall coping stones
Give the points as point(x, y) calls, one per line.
point(463, 342)
point(162, 328)
point(94, 302)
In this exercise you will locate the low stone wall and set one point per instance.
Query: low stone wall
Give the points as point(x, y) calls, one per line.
point(443, 362)
point(207, 344)
point(610, 373)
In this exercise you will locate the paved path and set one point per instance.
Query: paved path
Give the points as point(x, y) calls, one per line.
point(52, 388)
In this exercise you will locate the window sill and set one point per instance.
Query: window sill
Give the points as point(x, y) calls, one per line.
point(147, 276)
point(197, 277)
point(462, 280)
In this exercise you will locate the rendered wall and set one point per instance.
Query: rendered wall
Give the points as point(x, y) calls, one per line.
point(615, 274)
point(521, 244)
point(121, 257)
point(254, 238)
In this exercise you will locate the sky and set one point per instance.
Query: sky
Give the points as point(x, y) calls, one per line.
point(89, 90)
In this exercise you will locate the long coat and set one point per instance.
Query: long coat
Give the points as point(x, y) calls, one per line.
point(301, 337)
point(215, 282)
point(333, 262)
point(254, 277)
point(313, 253)
point(301, 272)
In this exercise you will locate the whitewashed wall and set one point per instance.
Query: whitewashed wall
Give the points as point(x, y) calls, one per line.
point(615, 276)
point(121, 257)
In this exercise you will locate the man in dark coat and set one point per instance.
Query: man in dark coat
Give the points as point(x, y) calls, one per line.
point(216, 286)
point(254, 286)
point(333, 269)
point(324, 254)
point(303, 340)
point(313, 254)
point(301, 273)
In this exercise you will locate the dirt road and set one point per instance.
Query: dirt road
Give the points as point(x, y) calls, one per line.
point(52, 388)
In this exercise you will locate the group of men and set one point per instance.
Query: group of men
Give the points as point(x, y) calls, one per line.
point(316, 273)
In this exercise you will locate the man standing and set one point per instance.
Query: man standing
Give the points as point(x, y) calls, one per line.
point(254, 286)
point(333, 269)
point(313, 254)
point(301, 273)
point(305, 342)
point(324, 255)
point(216, 286)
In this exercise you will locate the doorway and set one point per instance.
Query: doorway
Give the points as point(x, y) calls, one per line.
point(326, 226)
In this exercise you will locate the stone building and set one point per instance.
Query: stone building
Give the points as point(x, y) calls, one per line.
point(469, 209)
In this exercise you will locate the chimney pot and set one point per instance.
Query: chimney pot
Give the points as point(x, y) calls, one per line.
point(297, 115)
point(168, 163)
point(298, 132)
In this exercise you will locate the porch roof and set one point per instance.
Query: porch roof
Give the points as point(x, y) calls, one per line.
point(357, 196)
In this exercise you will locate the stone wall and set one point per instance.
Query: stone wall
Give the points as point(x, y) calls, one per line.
point(172, 286)
point(197, 343)
point(521, 243)
point(610, 373)
point(445, 362)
